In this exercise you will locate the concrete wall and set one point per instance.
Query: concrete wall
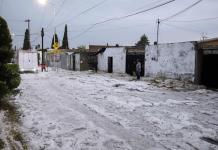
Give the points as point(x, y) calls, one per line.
point(119, 59)
point(53, 60)
point(27, 60)
point(67, 61)
point(64, 61)
point(77, 57)
point(176, 60)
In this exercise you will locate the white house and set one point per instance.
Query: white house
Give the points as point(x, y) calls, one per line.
point(112, 60)
point(171, 60)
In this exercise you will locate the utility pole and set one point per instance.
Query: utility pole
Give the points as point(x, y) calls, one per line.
point(28, 21)
point(43, 54)
point(158, 26)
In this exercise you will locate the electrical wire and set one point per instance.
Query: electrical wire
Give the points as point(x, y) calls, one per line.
point(151, 3)
point(81, 13)
point(33, 34)
point(182, 28)
point(41, 23)
point(114, 29)
point(196, 20)
point(123, 17)
point(56, 14)
point(16, 20)
point(182, 11)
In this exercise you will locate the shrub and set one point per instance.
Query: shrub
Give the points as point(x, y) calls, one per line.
point(13, 76)
point(2, 144)
point(3, 89)
point(9, 73)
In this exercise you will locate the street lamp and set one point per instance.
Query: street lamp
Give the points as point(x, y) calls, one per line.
point(42, 2)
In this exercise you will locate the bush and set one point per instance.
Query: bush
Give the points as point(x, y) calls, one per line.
point(3, 89)
point(2, 144)
point(9, 78)
point(10, 74)
point(5, 55)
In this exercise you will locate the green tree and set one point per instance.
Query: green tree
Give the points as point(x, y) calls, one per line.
point(26, 42)
point(81, 48)
point(65, 39)
point(9, 73)
point(143, 41)
point(54, 40)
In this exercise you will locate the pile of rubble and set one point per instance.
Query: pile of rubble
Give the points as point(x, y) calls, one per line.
point(177, 85)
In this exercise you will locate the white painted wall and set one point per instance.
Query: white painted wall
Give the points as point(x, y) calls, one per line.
point(175, 60)
point(27, 60)
point(77, 60)
point(119, 59)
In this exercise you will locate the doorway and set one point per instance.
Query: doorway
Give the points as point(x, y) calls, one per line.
point(210, 70)
point(110, 64)
point(74, 63)
point(131, 60)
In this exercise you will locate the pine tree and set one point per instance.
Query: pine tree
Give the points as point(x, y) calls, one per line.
point(143, 41)
point(5, 43)
point(26, 43)
point(9, 76)
point(56, 40)
point(65, 39)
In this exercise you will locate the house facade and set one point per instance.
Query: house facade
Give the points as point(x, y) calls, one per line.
point(112, 60)
point(171, 60)
point(195, 61)
point(76, 60)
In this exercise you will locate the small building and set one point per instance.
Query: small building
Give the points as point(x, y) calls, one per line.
point(27, 61)
point(195, 61)
point(73, 59)
point(120, 59)
point(112, 60)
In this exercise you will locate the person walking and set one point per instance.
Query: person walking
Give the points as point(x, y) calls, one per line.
point(138, 69)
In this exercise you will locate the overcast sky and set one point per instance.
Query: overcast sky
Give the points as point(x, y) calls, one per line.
point(123, 32)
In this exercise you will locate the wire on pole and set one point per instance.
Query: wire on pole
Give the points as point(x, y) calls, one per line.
point(123, 17)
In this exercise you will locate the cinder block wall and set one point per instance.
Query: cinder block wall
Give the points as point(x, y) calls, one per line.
point(174, 60)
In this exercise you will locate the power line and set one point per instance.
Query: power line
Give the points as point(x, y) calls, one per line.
point(114, 29)
point(130, 15)
point(142, 7)
point(83, 12)
point(33, 34)
point(124, 17)
point(56, 14)
point(182, 28)
point(16, 20)
point(178, 13)
point(182, 11)
point(41, 23)
point(196, 20)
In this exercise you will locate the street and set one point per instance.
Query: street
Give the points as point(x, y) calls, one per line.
point(69, 110)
